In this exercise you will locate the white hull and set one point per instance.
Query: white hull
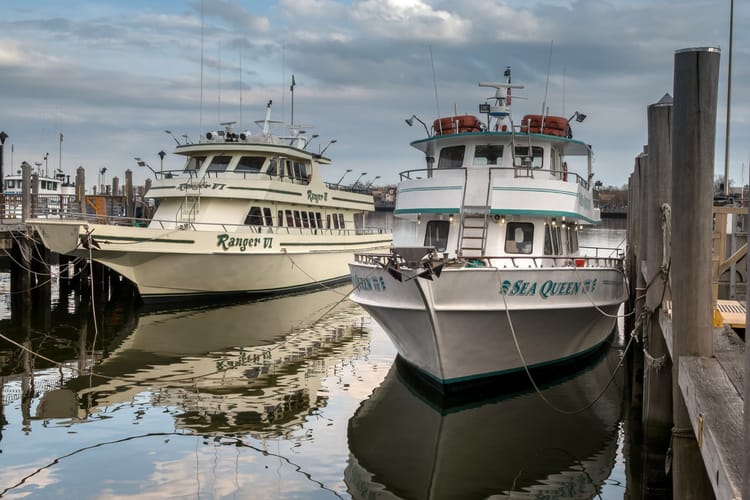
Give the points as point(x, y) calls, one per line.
point(459, 327)
point(171, 263)
point(516, 447)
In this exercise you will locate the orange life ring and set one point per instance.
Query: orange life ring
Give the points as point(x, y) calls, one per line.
point(457, 124)
point(548, 125)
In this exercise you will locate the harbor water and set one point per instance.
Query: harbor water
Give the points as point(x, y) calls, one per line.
point(291, 397)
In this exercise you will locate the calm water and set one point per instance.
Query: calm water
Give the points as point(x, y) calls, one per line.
point(295, 397)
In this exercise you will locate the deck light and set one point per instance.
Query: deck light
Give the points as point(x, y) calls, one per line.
point(450, 218)
point(410, 121)
point(578, 116)
point(342, 177)
point(502, 219)
point(419, 218)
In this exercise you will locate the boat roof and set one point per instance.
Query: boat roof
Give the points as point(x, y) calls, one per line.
point(567, 146)
point(248, 146)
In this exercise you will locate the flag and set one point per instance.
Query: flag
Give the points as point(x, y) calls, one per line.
point(293, 84)
point(61, 137)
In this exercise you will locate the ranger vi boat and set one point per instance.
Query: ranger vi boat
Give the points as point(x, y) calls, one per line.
point(249, 214)
point(491, 280)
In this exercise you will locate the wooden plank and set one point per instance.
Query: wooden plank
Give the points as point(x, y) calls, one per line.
point(716, 415)
point(733, 312)
point(729, 351)
point(733, 259)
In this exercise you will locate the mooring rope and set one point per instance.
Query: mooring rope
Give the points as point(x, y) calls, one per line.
point(533, 382)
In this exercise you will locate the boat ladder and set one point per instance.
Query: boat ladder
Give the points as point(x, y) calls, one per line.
point(473, 236)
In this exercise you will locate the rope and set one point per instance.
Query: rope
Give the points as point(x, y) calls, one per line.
point(533, 382)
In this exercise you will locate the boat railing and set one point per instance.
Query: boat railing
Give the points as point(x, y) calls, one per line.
point(499, 262)
point(171, 225)
point(522, 171)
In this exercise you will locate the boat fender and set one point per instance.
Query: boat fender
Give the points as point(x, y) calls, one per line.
point(565, 171)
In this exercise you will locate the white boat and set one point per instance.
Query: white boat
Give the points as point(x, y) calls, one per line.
point(54, 194)
point(249, 214)
point(489, 279)
point(512, 446)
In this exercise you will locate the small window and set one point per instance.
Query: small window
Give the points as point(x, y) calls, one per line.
point(272, 169)
point(451, 157)
point(194, 163)
point(312, 220)
point(519, 237)
point(319, 219)
point(305, 220)
point(335, 221)
point(297, 219)
point(267, 216)
point(436, 234)
point(250, 164)
point(254, 217)
point(488, 154)
point(328, 221)
point(341, 221)
point(280, 217)
point(525, 160)
point(289, 219)
point(219, 163)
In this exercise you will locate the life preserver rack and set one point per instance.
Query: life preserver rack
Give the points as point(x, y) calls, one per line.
point(458, 124)
point(548, 125)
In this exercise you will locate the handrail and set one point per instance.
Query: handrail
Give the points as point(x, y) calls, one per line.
point(556, 261)
point(430, 172)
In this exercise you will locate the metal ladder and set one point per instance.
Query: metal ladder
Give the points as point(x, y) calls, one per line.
point(474, 222)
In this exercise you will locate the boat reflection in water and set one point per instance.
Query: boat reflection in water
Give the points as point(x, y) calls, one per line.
point(254, 366)
point(405, 445)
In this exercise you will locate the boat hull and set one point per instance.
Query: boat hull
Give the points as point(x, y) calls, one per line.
point(169, 265)
point(469, 325)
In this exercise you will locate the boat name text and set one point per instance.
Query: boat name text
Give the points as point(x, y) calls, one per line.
point(186, 186)
point(227, 242)
point(369, 283)
point(548, 288)
point(315, 197)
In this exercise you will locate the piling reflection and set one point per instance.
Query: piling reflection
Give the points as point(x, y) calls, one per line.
point(403, 444)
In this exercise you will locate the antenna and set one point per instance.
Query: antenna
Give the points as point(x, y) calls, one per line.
point(200, 118)
point(546, 86)
point(291, 89)
point(434, 82)
point(240, 87)
point(219, 69)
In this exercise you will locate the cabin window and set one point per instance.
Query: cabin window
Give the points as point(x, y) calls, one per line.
point(12, 184)
point(312, 220)
point(297, 219)
point(519, 237)
point(254, 217)
point(319, 219)
point(305, 220)
point(335, 221)
point(452, 157)
point(194, 163)
point(341, 221)
point(267, 216)
point(219, 163)
point(250, 164)
point(553, 240)
point(488, 154)
point(289, 219)
point(300, 172)
point(272, 170)
point(280, 217)
point(525, 160)
point(436, 234)
point(289, 169)
point(572, 239)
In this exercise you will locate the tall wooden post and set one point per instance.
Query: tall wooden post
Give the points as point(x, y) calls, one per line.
point(129, 198)
point(696, 73)
point(657, 385)
point(26, 196)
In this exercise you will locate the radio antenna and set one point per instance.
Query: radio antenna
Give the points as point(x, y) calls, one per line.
point(434, 82)
point(200, 117)
point(546, 86)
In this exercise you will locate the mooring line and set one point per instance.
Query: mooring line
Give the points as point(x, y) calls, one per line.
point(533, 382)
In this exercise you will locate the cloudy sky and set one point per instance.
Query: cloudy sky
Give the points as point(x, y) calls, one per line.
point(112, 76)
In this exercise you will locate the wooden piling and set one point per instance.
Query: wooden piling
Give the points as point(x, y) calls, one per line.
point(694, 117)
point(26, 196)
point(657, 383)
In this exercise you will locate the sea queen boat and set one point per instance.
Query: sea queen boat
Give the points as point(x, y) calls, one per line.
point(491, 280)
point(248, 214)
